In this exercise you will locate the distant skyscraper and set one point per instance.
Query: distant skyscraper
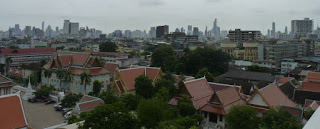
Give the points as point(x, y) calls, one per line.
point(27, 31)
point(161, 31)
point(215, 29)
point(269, 33)
point(127, 33)
point(286, 30)
point(43, 26)
point(66, 27)
point(152, 32)
point(206, 32)
point(17, 31)
point(182, 30)
point(189, 30)
point(196, 31)
point(273, 32)
point(74, 29)
point(177, 30)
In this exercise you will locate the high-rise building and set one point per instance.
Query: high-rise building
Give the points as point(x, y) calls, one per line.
point(74, 29)
point(300, 28)
point(127, 33)
point(189, 30)
point(241, 36)
point(215, 29)
point(66, 27)
point(177, 30)
point(117, 33)
point(196, 31)
point(182, 30)
point(43, 26)
point(286, 30)
point(269, 33)
point(49, 32)
point(27, 31)
point(161, 31)
point(206, 32)
point(152, 32)
point(273, 31)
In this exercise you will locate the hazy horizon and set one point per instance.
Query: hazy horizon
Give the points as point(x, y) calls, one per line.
point(107, 15)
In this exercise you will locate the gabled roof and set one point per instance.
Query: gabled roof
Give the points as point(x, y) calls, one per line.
point(199, 90)
point(113, 67)
point(255, 76)
point(87, 103)
point(90, 71)
point(129, 75)
point(284, 79)
point(273, 96)
point(9, 51)
point(288, 88)
point(12, 113)
point(301, 95)
point(312, 77)
point(312, 82)
point(223, 100)
point(219, 86)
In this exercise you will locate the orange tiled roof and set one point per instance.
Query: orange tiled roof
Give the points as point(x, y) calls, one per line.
point(200, 91)
point(274, 97)
point(113, 67)
point(12, 114)
point(312, 77)
point(129, 75)
point(95, 71)
point(284, 79)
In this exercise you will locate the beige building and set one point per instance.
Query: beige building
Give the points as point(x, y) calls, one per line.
point(229, 48)
point(250, 51)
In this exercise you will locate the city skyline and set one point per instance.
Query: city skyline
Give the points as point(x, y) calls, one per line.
point(113, 15)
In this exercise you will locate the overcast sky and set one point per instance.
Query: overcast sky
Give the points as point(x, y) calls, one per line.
point(108, 15)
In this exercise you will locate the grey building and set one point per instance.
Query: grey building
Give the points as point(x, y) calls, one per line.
point(238, 35)
point(300, 28)
point(161, 31)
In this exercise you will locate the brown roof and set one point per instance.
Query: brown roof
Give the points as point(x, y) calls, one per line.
point(129, 75)
point(87, 103)
point(219, 86)
point(274, 97)
point(200, 91)
point(312, 82)
point(12, 114)
point(9, 51)
point(313, 77)
point(284, 79)
point(113, 67)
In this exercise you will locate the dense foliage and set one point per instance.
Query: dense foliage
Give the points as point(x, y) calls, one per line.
point(164, 57)
point(242, 117)
point(256, 68)
point(70, 100)
point(108, 46)
point(143, 87)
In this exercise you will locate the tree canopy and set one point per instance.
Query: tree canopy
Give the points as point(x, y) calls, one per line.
point(70, 100)
point(242, 117)
point(164, 57)
point(108, 46)
point(143, 87)
point(96, 87)
point(256, 68)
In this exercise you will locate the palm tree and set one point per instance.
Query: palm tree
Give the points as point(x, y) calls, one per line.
point(85, 79)
point(47, 73)
point(60, 75)
point(68, 76)
point(8, 62)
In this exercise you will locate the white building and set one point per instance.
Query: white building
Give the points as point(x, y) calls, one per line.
point(288, 65)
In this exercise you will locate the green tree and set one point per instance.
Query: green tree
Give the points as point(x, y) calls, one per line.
point(108, 46)
point(277, 118)
point(242, 117)
point(8, 63)
point(85, 79)
point(152, 111)
point(205, 72)
point(256, 68)
point(114, 116)
point(130, 101)
point(215, 60)
point(43, 92)
point(108, 97)
point(60, 73)
point(96, 87)
point(164, 57)
point(47, 73)
point(70, 100)
point(186, 107)
point(42, 63)
point(167, 84)
point(143, 87)
point(68, 76)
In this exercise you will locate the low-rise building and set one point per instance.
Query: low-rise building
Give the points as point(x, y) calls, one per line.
point(76, 63)
point(288, 65)
point(25, 56)
point(6, 85)
point(86, 104)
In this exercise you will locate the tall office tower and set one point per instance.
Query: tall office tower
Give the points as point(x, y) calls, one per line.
point(286, 30)
point(177, 30)
point(117, 33)
point(161, 31)
point(206, 32)
point(28, 31)
point(196, 31)
point(57, 31)
point(269, 34)
point(66, 27)
point(74, 29)
point(152, 32)
point(273, 32)
point(300, 28)
point(49, 32)
point(182, 30)
point(11, 32)
point(17, 30)
point(127, 33)
point(43, 26)
point(189, 30)
point(215, 29)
